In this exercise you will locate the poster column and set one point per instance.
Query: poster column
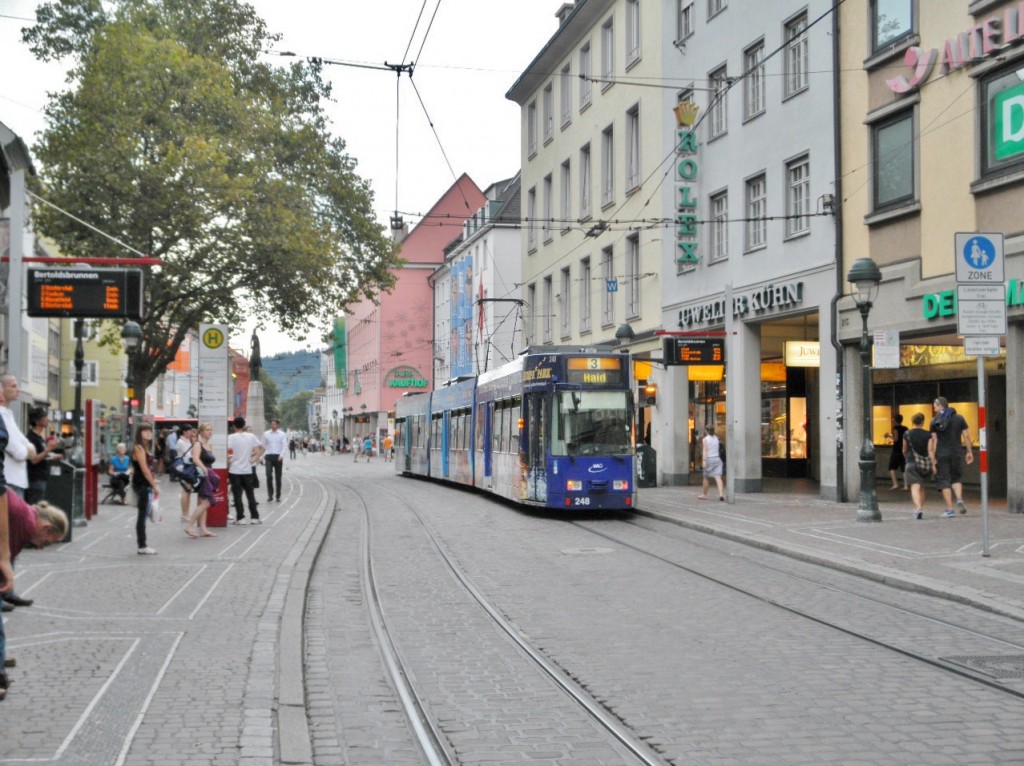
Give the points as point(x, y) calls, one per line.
point(214, 397)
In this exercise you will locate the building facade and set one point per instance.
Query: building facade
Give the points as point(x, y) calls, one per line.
point(751, 260)
point(592, 140)
point(390, 346)
point(478, 315)
point(932, 127)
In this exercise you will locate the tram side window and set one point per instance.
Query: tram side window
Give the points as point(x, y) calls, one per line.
point(435, 432)
point(481, 418)
point(516, 414)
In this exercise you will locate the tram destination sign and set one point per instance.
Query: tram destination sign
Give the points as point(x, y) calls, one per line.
point(693, 350)
point(595, 371)
point(86, 293)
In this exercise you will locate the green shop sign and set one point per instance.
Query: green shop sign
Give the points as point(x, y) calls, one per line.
point(943, 305)
point(406, 377)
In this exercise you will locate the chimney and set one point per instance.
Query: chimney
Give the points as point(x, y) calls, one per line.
point(564, 12)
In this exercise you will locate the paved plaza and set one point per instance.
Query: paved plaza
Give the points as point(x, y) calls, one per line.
point(195, 655)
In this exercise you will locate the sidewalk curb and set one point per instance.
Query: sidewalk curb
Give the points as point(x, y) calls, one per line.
point(294, 739)
point(880, 574)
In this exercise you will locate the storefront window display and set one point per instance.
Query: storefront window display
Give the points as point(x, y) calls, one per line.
point(908, 399)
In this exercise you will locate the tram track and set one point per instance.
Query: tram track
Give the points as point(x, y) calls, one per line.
point(902, 611)
point(429, 734)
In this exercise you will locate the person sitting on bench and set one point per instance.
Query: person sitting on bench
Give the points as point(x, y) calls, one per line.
point(120, 464)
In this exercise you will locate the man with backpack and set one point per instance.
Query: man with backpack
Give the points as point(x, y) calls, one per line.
point(949, 434)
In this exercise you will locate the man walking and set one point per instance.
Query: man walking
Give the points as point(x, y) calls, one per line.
point(949, 431)
point(275, 442)
point(244, 451)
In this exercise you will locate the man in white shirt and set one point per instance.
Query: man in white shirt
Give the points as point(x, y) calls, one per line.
point(19, 448)
point(275, 442)
point(244, 451)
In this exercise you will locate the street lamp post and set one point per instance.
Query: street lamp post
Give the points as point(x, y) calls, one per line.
point(131, 337)
point(865, 277)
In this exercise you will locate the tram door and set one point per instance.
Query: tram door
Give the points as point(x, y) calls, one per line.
point(535, 448)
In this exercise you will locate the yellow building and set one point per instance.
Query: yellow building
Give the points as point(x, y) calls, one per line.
point(931, 125)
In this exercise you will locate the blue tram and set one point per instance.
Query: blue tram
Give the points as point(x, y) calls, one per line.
point(553, 428)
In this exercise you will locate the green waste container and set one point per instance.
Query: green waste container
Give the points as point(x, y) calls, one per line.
point(65, 488)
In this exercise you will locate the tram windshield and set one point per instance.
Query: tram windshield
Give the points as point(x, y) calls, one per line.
point(591, 423)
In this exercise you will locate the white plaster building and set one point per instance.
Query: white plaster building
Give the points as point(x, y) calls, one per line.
point(753, 196)
point(593, 161)
point(478, 318)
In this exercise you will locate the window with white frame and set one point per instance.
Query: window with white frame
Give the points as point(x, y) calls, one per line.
point(796, 55)
point(757, 207)
point(891, 21)
point(564, 194)
point(90, 372)
point(607, 51)
point(607, 315)
point(633, 276)
point(893, 150)
point(585, 182)
point(548, 114)
point(798, 196)
point(531, 219)
point(548, 208)
point(632, 32)
point(531, 314)
point(564, 303)
point(719, 245)
point(531, 129)
point(753, 81)
point(565, 94)
point(715, 7)
point(686, 20)
point(548, 309)
point(607, 166)
point(586, 73)
point(633, 148)
point(719, 82)
point(585, 289)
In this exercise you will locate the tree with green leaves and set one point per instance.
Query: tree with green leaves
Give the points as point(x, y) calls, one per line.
point(178, 139)
point(293, 412)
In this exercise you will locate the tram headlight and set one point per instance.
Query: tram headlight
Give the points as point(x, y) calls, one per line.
point(620, 484)
point(573, 486)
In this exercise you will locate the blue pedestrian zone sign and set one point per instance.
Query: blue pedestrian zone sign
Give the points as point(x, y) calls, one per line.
point(613, 285)
point(979, 257)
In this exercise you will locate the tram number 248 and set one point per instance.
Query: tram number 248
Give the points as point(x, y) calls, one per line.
point(581, 501)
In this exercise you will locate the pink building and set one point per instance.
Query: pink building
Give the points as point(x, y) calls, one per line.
point(390, 345)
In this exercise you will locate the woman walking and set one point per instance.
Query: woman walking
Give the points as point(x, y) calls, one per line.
point(713, 465)
point(144, 483)
point(203, 458)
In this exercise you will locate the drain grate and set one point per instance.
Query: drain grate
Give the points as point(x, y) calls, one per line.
point(994, 666)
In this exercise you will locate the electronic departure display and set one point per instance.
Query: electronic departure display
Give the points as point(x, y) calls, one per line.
point(689, 350)
point(86, 293)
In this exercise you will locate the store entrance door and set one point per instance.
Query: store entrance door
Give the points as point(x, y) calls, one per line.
point(784, 427)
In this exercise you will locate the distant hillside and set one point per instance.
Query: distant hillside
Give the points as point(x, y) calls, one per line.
point(294, 372)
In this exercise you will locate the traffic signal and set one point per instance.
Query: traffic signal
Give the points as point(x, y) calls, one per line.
point(650, 394)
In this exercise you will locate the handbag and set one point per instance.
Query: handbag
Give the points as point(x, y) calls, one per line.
point(189, 477)
point(174, 470)
point(923, 462)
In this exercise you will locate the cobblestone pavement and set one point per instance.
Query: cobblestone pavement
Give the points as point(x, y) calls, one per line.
point(197, 655)
point(166, 659)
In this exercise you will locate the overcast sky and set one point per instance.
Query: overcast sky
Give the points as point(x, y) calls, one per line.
point(474, 51)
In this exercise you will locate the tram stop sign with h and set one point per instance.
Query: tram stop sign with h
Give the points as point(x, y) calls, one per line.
point(979, 258)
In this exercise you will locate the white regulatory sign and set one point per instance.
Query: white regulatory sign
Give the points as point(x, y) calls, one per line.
point(979, 257)
point(981, 346)
point(981, 310)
